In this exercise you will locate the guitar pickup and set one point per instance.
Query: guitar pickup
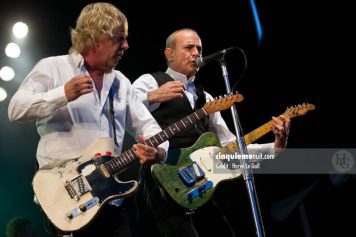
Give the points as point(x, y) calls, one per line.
point(191, 174)
point(199, 190)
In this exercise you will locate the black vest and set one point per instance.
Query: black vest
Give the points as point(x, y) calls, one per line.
point(172, 111)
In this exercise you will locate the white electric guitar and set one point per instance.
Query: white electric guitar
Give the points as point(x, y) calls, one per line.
point(72, 192)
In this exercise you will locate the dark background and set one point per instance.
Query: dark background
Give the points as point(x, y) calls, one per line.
point(304, 55)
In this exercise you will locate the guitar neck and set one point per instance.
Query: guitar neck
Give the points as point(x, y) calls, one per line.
point(259, 132)
point(128, 156)
point(267, 127)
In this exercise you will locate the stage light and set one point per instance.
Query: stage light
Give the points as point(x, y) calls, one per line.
point(12, 50)
point(3, 94)
point(7, 73)
point(20, 30)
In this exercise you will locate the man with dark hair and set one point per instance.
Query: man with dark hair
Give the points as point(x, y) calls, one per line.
point(172, 95)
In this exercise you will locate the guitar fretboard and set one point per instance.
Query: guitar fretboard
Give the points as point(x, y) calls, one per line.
point(262, 130)
point(258, 132)
point(267, 127)
point(128, 156)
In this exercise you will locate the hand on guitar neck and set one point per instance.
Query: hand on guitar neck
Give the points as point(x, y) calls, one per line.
point(178, 180)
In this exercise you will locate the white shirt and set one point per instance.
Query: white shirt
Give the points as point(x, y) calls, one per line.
point(67, 129)
point(147, 83)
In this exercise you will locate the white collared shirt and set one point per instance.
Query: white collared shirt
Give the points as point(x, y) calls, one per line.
point(67, 129)
point(147, 83)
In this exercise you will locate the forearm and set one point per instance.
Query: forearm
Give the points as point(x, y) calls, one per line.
point(153, 97)
point(25, 105)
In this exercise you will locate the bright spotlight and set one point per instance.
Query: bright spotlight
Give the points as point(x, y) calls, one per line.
point(7, 73)
point(3, 94)
point(12, 50)
point(20, 30)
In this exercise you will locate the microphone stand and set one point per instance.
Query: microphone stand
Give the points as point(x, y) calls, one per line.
point(246, 169)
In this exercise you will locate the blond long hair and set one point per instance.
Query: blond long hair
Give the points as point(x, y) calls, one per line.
point(96, 22)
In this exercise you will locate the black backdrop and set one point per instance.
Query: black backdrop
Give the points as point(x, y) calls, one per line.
point(303, 57)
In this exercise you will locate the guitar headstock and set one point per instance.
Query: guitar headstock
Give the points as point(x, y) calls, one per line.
point(299, 110)
point(222, 103)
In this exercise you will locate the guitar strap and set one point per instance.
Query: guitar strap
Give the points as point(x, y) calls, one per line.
point(111, 100)
point(111, 113)
point(201, 96)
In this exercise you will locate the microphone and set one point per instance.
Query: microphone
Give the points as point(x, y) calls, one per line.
point(201, 61)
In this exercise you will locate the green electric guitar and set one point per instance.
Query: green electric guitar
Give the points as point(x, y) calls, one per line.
point(190, 179)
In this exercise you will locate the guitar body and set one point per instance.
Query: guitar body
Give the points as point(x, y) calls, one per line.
point(201, 154)
point(72, 192)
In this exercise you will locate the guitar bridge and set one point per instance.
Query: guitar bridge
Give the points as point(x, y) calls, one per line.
point(191, 174)
point(77, 187)
point(198, 191)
